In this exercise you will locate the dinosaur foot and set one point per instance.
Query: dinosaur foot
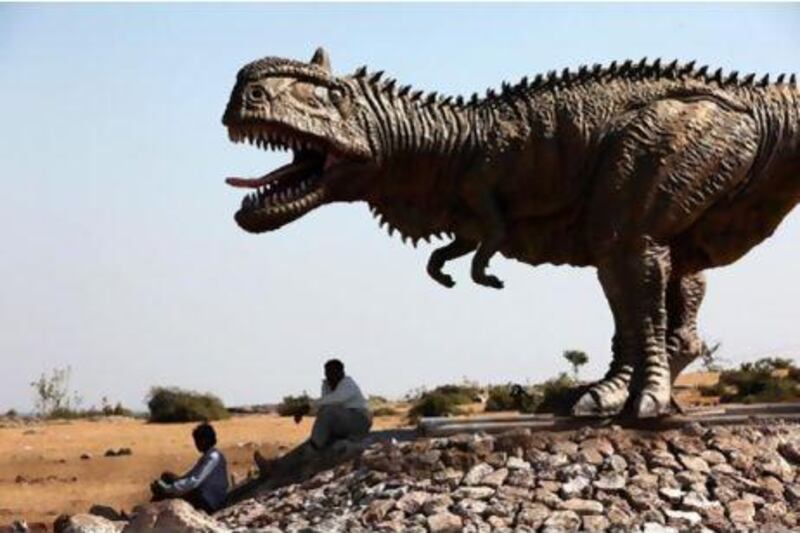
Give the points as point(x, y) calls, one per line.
point(600, 402)
point(652, 402)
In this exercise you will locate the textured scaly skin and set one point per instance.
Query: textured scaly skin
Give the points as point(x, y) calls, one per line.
point(650, 173)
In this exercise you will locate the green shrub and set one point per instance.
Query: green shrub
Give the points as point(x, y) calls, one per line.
point(757, 382)
point(113, 410)
point(500, 399)
point(443, 400)
point(171, 404)
point(558, 395)
point(435, 403)
point(511, 398)
point(460, 394)
point(12, 413)
point(295, 405)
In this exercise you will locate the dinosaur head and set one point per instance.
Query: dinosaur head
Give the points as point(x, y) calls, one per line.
point(281, 104)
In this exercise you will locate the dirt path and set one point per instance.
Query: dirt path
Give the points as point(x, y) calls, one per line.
point(42, 474)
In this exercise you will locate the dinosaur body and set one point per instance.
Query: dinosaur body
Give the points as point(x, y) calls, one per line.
point(651, 173)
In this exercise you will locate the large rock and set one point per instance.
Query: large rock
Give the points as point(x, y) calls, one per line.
point(477, 473)
point(444, 523)
point(172, 515)
point(86, 523)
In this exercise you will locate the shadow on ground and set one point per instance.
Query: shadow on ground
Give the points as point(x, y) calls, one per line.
point(301, 464)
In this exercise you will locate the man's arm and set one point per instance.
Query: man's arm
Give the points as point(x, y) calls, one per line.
point(344, 391)
point(196, 475)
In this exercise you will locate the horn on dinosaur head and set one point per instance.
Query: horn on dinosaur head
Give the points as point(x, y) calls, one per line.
point(321, 59)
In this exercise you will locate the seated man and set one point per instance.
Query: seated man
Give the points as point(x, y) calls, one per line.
point(205, 486)
point(342, 413)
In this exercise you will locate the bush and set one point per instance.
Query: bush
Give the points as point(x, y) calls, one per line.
point(460, 394)
point(295, 405)
point(443, 400)
point(558, 395)
point(757, 382)
point(171, 404)
point(511, 398)
point(12, 413)
point(435, 403)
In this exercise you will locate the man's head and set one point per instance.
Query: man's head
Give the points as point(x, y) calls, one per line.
point(205, 437)
point(334, 372)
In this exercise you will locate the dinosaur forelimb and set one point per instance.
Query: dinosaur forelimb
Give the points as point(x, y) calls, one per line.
point(480, 262)
point(457, 248)
point(494, 233)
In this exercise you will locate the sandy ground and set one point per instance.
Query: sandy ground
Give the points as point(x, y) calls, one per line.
point(42, 474)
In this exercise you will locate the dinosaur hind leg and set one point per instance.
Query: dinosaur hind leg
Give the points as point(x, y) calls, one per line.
point(607, 397)
point(634, 278)
point(684, 345)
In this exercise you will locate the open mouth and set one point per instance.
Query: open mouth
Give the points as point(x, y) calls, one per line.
point(289, 191)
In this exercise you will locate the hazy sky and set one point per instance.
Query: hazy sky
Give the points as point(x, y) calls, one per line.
point(118, 251)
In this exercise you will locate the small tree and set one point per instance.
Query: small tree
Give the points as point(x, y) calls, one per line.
point(53, 395)
point(577, 359)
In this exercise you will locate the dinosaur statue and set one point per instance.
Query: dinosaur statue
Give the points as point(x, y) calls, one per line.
point(649, 172)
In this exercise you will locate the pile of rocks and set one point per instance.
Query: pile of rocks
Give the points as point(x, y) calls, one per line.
point(717, 478)
point(697, 478)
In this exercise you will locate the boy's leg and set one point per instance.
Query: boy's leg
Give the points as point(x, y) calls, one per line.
point(196, 500)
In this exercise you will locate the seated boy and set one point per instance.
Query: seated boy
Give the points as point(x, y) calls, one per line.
point(205, 486)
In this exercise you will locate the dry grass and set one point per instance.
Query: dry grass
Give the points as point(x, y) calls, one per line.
point(56, 480)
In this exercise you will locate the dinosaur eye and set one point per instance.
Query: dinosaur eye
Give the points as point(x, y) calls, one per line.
point(335, 95)
point(256, 93)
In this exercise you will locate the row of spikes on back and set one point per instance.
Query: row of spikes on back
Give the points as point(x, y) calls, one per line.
point(441, 235)
point(627, 70)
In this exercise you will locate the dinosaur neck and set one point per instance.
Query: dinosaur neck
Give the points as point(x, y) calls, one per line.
point(407, 125)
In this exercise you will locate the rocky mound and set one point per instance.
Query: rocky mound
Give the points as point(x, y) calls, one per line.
point(720, 478)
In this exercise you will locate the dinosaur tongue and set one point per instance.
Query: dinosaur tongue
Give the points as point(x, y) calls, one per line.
point(303, 165)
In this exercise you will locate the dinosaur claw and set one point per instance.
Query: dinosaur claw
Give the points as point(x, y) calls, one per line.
point(648, 406)
point(587, 405)
point(489, 281)
point(443, 279)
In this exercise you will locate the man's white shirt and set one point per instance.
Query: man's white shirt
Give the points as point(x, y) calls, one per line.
point(347, 394)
